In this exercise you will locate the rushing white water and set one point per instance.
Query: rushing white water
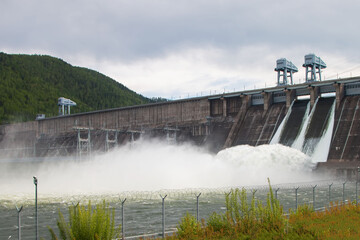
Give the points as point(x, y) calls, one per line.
point(309, 145)
point(319, 154)
point(277, 135)
point(152, 166)
point(300, 138)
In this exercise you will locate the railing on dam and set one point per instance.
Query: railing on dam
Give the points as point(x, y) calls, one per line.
point(144, 215)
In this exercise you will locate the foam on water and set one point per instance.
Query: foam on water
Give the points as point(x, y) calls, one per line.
point(155, 165)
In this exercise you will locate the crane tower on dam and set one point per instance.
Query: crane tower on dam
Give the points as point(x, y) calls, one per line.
point(313, 66)
point(64, 105)
point(285, 70)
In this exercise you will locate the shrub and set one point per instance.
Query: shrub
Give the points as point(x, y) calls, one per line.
point(218, 222)
point(189, 227)
point(87, 223)
point(242, 220)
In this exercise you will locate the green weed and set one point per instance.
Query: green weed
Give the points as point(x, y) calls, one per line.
point(87, 223)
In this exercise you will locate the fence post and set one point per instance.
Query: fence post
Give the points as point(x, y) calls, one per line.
point(122, 219)
point(197, 207)
point(330, 193)
point(314, 196)
point(356, 190)
point(19, 221)
point(343, 193)
point(357, 181)
point(163, 215)
point(36, 209)
point(253, 193)
point(296, 198)
point(276, 195)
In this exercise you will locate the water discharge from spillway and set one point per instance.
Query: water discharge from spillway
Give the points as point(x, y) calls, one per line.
point(308, 131)
point(156, 165)
point(300, 138)
point(153, 165)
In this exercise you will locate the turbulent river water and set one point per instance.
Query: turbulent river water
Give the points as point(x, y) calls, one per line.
point(141, 172)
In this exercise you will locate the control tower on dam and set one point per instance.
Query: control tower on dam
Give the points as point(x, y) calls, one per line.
point(254, 117)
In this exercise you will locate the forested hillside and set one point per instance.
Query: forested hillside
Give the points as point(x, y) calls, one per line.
point(31, 84)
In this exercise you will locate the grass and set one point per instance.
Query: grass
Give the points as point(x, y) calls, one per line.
point(339, 221)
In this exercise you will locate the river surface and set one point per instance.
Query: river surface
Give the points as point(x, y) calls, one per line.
point(142, 171)
point(143, 210)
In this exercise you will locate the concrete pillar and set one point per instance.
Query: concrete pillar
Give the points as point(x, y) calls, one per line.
point(268, 100)
point(314, 94)
point(245, 104)
point(340, 92)
point(245, 101)
point(290, 96)
point(224, 106)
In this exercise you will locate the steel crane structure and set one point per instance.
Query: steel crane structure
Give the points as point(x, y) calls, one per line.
point(285, 70)
point(313, 65)
point(64, 105)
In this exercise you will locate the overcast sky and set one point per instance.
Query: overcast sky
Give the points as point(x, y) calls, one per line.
point(172, 49)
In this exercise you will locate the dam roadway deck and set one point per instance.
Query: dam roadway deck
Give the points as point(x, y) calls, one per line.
point(217, 121)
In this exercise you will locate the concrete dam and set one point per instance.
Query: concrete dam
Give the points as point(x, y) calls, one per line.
point(303, 116)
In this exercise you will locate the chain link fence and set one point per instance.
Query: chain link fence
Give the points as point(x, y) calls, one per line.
point(153, 214)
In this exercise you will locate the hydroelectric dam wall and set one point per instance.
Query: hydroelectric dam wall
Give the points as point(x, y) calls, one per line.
point(294, 115)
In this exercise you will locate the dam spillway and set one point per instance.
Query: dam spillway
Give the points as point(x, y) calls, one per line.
point(308, 131)
point(216, 122)
point(346, 135)
point(318, 124)
point(258, 126)
point(294, 123)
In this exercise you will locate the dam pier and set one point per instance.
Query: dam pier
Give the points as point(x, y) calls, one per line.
point(218, 121)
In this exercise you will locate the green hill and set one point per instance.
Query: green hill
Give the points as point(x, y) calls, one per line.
point(31, 84)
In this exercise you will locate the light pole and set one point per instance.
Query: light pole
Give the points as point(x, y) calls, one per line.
point(36, 210)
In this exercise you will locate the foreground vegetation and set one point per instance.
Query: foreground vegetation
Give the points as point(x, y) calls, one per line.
point(87, 223)
point(268, 221)
point(31, 84)
point(242, 220)
point(337, 222)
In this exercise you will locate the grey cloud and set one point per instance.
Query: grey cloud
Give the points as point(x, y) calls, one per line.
point(129, 30)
